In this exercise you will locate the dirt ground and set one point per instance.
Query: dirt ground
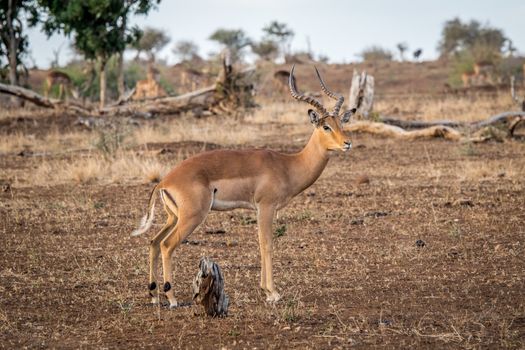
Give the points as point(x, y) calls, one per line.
point(398, 244)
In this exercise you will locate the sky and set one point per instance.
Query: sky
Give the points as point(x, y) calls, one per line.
point(338, 29)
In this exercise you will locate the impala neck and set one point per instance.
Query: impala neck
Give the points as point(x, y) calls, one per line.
point(308, 164)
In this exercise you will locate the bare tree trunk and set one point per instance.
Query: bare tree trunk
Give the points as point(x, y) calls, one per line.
point(120, 80)
point(12, 51)
point(120, 62)
point(102, 74)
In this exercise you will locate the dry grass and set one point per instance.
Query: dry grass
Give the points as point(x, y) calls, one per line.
point(481, 170)
point(124, 167)
point(460, 108)
point(281, 113)
point(225, 131)
point(54, 141)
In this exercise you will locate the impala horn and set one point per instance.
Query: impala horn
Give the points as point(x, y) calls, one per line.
point(301, 97)
point(338, 97)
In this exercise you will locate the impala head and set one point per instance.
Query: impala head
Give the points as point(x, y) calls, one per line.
point(328, 125)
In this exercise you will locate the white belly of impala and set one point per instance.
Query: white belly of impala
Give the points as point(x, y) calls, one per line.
point(218, 204)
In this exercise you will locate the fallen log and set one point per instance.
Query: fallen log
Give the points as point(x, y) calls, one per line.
point(418, 124)
point(496, 127)
point(163, 105)
point(42, 101)
point(386, 130)
point(505, 118)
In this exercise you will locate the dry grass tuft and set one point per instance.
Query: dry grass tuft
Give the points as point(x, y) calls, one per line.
point(80, 171)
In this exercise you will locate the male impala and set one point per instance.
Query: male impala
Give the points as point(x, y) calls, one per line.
point(257, 179)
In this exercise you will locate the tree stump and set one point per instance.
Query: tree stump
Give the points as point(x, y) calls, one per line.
point(208, 289)
point(362, 94)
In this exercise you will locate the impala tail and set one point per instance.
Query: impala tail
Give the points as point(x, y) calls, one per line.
point(147, 220)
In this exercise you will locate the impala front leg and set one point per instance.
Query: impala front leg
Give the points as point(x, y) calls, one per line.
point(265, 214)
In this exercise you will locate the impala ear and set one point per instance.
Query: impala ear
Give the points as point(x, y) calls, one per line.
point(314, 117)
point(345, 118)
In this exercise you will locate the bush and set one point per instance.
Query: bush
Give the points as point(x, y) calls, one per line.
point(376, 53)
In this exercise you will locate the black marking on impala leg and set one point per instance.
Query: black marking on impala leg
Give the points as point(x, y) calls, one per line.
point(152, 286)
point(167, 287)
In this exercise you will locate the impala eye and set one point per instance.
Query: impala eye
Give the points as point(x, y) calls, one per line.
point(327, 128)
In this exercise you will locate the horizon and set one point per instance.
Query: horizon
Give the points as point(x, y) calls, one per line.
point(317, 27)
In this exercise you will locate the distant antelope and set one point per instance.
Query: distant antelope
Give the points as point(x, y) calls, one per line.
point(280, 82)
point(149, 87)
point(63, 80)
point(483, 74)
point(256, 179)
point(190, 78)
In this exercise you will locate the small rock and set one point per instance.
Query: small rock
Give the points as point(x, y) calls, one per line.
point(191, 242)
point(357, 222)
point(385, 323)
point(376, 214)
point(361, 180)
point(232, 243)
point(218, 231)
point(165, 150)
point(464, 202)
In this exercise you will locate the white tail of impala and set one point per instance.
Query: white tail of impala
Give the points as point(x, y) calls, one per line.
point(258, 179)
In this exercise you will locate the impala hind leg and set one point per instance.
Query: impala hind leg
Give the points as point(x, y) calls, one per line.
point(265, 215)
point(190, 217)
point(154, 251)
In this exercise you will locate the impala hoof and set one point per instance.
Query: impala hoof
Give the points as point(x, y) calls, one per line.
point(273, 297)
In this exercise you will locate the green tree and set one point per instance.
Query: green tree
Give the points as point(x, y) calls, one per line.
point(151, 42)
point(280, 33)
point(235, 40)
point(99, 28)
point(457, 36)
point(376, 53)
point(266, 49)
point(186, 50)
point(13, 40)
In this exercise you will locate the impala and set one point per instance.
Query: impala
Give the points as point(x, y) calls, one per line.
point(149, 87)
point(257, 179)
point(63, 80)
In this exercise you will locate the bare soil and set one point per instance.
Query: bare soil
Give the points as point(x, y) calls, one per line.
point(391, 247)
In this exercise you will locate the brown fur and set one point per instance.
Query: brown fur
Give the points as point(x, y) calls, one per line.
point(63, 80)
point(149, 87)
